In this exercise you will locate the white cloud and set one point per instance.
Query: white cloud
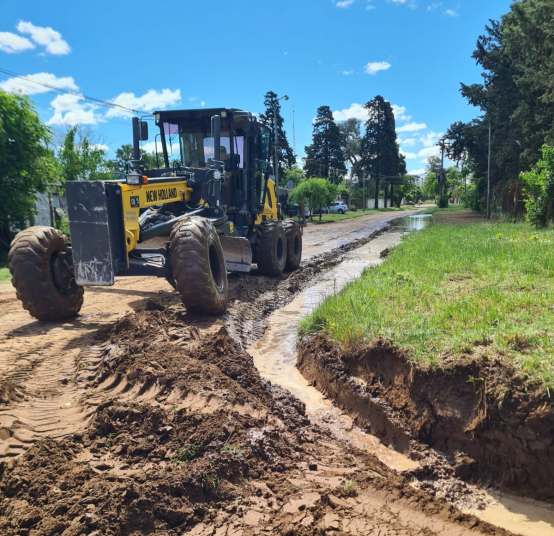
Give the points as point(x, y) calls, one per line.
point(69, 110)
point(419, 171)
point(13, 43)
point(31, 84)
point(373, 67)
point(451, 13)
point(100, 147)
point(408, 155)
point(430, 138)
point(148, 102)
point(344, 4)
point(407, 142)
point(412, 127)
point(354, 111)
point(45, 36)
point(370, 6)
point(400, 113)
point(357, 111)
point(347, 72)
point(426, 152)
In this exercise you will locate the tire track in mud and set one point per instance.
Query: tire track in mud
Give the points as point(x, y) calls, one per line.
point(54, 394)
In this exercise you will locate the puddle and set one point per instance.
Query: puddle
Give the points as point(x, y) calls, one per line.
point(275, 357)
point(517, 514)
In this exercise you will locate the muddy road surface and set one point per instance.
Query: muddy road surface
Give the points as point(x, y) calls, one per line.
point(137, 418)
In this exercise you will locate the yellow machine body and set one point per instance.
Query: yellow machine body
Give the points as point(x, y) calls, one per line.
point(138, 196)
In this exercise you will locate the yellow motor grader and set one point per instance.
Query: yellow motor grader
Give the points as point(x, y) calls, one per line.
point(211, 207)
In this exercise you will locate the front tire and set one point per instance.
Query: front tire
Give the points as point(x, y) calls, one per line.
point(198, 266)
point(42, 273)
point(293, 232)
point(271, 248)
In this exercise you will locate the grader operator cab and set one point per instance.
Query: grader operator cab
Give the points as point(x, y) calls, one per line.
point(210, 207)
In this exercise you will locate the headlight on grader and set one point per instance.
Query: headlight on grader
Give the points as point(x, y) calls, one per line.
point(136, 178)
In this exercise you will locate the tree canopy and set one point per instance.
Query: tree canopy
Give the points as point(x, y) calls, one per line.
point(516, 98)
point(380, 154)
point(316, 192)
point(286, 155)
point(27, 165)
point(324, 157)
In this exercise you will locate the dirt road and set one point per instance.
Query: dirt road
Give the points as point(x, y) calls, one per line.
point(159, 422)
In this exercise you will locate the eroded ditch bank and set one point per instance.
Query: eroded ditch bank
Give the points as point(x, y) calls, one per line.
point(496, 428)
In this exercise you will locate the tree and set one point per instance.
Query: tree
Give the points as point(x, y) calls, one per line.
point(294, 175)
point(351, 145)
point(124, 155)
point(324, 157)
point(316, 192)
point(516, 99)
point(27, 165)
point(539, 189)
point(380, 152)
point(80, 160)
point(273, 110)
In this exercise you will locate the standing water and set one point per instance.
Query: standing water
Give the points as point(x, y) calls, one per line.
point(275, 353)
point(275, 357)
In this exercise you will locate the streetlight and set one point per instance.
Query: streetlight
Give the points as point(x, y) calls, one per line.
point(276, 138)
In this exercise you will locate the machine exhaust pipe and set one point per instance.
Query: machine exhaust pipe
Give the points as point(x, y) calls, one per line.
point(216, 135)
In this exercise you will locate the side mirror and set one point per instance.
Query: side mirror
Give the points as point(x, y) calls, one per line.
point(143, 131)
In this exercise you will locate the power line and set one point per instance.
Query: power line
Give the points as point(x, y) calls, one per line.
point(101, 102)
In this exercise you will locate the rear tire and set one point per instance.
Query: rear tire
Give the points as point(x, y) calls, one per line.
point(42, 274)
point(198, 266)
point(271, 248)
point(293, 232)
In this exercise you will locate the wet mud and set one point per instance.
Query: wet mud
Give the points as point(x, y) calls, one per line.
point(190, 439)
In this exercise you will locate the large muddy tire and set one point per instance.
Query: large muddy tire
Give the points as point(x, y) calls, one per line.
point(271, 248)
point(293, 232)
point(198, 266)
point(42, 274)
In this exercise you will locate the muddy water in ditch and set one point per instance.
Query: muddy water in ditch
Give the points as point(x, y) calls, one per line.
point(275, 357)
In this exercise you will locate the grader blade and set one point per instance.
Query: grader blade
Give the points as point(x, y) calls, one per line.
point(237, 252)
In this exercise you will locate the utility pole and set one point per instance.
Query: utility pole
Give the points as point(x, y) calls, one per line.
point(443, 201)
point(293, 131)
point(489, 173)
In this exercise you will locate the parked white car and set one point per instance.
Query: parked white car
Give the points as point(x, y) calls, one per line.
point(338, 207)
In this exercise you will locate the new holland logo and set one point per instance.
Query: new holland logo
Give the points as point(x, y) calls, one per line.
point(162, 194)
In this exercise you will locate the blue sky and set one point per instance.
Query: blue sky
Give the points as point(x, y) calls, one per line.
point(190, 53)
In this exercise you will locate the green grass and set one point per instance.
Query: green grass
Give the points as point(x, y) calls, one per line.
point(351, 214)
point(454, 290)
point(4, 272)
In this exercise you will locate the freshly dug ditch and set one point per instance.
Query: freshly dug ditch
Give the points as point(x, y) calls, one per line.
point(494, 425)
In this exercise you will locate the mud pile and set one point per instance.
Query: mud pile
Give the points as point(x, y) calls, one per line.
point(494, 425)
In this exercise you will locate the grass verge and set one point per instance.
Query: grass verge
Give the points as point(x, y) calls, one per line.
point(454, 290)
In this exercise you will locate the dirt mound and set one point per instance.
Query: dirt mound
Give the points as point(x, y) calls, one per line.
point(211, 425)
point(495, 426)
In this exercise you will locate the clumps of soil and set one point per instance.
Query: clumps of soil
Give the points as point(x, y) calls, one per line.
point(494, 425)
point(160, 463)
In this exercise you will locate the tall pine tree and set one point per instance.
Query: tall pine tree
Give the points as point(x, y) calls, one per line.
point(380, 154)
point(324, 157)
point(272, 110)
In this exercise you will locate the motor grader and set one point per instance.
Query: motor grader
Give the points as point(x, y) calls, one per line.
point(210, 207)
